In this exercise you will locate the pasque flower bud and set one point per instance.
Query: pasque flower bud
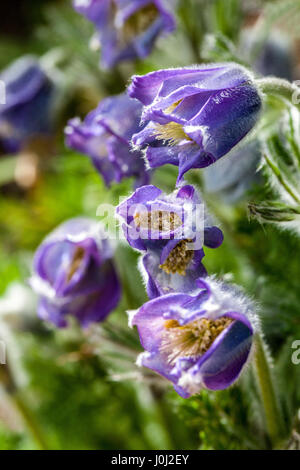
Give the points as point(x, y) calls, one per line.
point(194, 115)
point(105, 136)
point(74, 274)
point(26, 113)
point(127, 29)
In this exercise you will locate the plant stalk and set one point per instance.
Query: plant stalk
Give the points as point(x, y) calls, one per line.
point(280, 88)
point(270, 403)
point(29, 421)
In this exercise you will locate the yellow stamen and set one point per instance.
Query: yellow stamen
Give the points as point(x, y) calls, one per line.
point(173, 132)
point(178, 259)
point(76, 262)
point(193, 339)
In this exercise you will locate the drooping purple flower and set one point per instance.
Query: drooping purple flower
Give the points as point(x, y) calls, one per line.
point(197, 341)
point(170, 230)
point(74, 274)
point(194, 115)
point(105, 136)
point(127, 29)
point(28, 101)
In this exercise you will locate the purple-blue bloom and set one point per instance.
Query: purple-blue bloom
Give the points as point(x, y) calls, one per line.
point(196, 341)
point(170, 230)
point(74, 274)
point(127, 29)
point(194, 115)
point(27, 111)
point(105, 136)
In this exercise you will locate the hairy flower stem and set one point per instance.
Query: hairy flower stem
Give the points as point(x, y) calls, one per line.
point(280, 88)
point(273, 416)
point(281, 179)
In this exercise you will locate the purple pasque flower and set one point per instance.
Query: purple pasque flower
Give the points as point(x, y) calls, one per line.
point(105, 136)
point(74, 274)
point(26, 112)
point(127, 29)
point(201, 340)
point(194, 115)
point(170, 230)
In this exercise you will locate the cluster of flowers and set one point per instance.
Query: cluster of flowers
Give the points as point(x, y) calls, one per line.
point(188, 117)
point(196, 331)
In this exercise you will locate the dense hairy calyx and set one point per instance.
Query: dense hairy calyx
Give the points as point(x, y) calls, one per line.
point(191, 340)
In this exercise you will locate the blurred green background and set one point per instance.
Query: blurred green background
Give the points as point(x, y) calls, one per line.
point(83, 391)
